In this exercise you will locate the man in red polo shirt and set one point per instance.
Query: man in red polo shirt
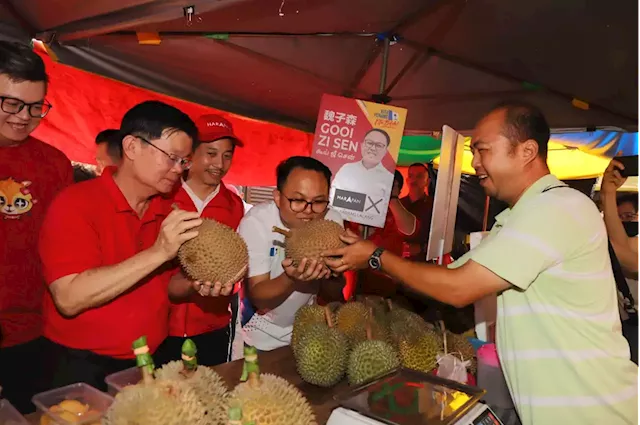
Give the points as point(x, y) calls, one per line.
point(105, 247)
point(201, 312)
point(31, 174)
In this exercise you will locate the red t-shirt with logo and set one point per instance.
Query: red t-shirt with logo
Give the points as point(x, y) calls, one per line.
point(91, 225)
point(31, 174)
point(198, 314)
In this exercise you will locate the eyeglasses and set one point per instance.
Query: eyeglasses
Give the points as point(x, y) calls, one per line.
point(299, 205)
point(373, 145)
point(185, 163)
point(628, 216)
point(13, 106)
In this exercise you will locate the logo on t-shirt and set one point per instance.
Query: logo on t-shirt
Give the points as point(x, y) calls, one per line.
point(15, 198)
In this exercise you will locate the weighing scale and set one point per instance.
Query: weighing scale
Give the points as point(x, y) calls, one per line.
point(408, 397)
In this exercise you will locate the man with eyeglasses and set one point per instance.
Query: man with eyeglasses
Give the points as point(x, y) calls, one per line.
point(368, 176)
point(106, 246)
point(31, 174)
point(276, 289)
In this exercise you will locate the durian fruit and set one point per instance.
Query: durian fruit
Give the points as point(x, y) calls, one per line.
point(310, 240)
point(420, 351)
point(462, 348)
point(351, 320)
point(305, 316)
point(322, 354)
point(267, 399)
point(208, 385)
point(217, 254)
point(403, 322)
point(371, 359)
point(158, 403)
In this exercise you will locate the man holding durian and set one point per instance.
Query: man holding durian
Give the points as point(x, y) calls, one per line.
point(558, 332)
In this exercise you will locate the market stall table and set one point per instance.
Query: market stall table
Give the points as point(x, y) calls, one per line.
point(278, 362)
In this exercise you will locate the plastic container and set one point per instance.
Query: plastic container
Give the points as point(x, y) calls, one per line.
point(9, 415)
point(117, 381)
point(96, 401)
point(491, 378)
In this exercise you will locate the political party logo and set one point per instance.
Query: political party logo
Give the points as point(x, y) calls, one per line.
point(349, 200)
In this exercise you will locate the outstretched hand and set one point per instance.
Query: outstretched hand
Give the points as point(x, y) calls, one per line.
point(612, 179)
point(352, 257)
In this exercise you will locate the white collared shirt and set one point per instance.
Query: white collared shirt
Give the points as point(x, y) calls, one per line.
point(200, 203)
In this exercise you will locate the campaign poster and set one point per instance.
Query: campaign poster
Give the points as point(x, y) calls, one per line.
point(359, 141)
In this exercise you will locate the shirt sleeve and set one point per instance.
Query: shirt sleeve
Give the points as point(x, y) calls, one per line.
point(69, 243)
point(259, 245)
point(532, 242)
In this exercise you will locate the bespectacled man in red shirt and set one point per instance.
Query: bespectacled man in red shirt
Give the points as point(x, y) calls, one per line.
point(106, 246)
point(31, 174)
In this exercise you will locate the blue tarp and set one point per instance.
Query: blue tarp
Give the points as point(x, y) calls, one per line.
point(601, 142)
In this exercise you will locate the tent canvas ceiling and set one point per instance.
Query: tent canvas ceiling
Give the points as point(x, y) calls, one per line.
point(453, 59)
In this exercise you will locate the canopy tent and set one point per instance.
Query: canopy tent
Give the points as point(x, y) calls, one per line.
point(448, 60)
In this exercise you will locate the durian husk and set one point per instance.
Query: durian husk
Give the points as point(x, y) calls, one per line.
point(351, 320)
point(217, 254)
point(274, 402)
point(159, 403)
point(208, 385)
point(371, 359)
point(305, 316)
point(461, 347)
point(420, 351)
point(312, 239)
point(322, 354)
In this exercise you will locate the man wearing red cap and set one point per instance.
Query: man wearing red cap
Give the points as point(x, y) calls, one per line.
point(200, 310)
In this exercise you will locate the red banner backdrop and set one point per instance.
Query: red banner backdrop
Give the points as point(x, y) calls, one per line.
point(85, 104)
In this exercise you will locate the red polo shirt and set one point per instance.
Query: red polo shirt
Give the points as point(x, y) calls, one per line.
point(91, 225)
point(198, 314)
point(31, 175)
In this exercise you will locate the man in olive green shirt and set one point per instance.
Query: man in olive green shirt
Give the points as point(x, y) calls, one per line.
point(558, 332)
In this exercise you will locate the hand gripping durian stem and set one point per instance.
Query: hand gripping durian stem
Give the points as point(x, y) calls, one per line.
point(327, 315)
point(285, 233)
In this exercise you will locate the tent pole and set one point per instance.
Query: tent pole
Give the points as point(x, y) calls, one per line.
point(385, 63)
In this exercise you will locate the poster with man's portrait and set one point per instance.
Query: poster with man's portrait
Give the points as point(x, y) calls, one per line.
point(359, 141)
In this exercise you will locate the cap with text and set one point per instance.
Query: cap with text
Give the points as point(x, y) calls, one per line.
point(216, 127)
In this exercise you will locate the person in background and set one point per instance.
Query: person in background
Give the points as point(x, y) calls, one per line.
point(199, 311)
point(105, 247)
point(621, 235)
point(400, 224)
point(108, 149)
point(82, 173)
point(275, 288)
point(31, 174)
point(558, 333)
point(420, 204)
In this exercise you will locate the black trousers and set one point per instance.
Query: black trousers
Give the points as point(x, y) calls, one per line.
point(213, 348)
point(630, 332)
point(23, 371)
point(70, 366)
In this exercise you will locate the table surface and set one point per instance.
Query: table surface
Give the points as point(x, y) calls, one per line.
point(278, 362)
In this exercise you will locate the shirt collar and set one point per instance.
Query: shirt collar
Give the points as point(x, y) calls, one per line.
point(544, 182)
point(158, 204)
point(195, 198)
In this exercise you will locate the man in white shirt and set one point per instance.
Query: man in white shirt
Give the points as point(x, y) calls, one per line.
point(275, 289)
point(368, 175)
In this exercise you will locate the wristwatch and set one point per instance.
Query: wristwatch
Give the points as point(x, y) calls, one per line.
point(374, 260)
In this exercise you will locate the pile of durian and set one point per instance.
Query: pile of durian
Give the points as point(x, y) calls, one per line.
point(367, 339)
point(182, 392)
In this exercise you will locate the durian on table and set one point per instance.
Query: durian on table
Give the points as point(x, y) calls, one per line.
point(322, 352)
point(266, 399)
point(310, 240)
point(217, 254)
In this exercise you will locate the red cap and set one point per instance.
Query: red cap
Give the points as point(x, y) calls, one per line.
point(215, 127)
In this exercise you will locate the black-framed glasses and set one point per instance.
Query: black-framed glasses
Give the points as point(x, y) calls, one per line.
point(299, 205)
point(13, 106)
point(185, 163)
